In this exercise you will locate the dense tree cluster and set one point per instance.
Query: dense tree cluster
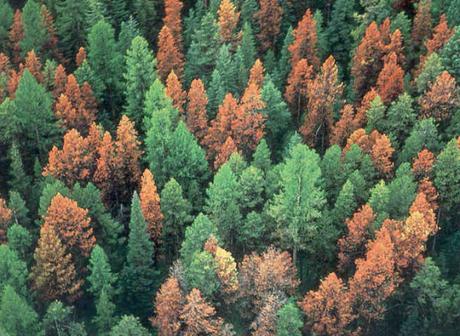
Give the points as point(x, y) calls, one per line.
point(229, 167)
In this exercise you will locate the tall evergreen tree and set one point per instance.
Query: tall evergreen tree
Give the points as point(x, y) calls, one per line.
point(6, 18)
point(19, 180)
point(35, 32)
point(297, 207)
point(17, 316)
point(203, 50)
point(13, 271)
point(104, 57)
point(139, 76)
point(138, 275)
point(33, 108)
point(71, 18)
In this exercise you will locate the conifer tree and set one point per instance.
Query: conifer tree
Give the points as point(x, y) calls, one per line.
point(422, 25)
point(175, 92)
point(35, 32)
point(6, 18)
point(304, 45)
point(13, 270)
point(228, 20)
point(216, 93)
point(15, 36)
point(129, 325)
point(339, 31)
point(146, 13)
point(53, 274)
point(150, 205)
point(276, 113)
point(401, 117)
point(432, 68)
point(446, 175)
point(168, 304)
point(196, 117)
point(72, 225)
point(71, 18)
point(289, 320)
point(300, 180)
point(390, 80)
point(139, 76)
point(19, 180)
point(33, 108)
point(322, 93)
point(169, 56)
point(269, 21)
point(441, 100)
point(173, 21)
point(177, 214)
point(17, 316)
point(103, 57)
point(20, 241)
point(138, 275)
point(203, 50)
point(449, 55)
point(101, 277)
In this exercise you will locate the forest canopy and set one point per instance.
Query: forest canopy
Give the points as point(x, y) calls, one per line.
point(229, 167)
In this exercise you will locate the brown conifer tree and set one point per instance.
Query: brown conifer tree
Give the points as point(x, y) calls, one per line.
point(72, 225)
point(228, 20)
point(175, 92)
point(168, 304)
point(169, 56)
point(80, 57)
point(422, 24)
point(390, 83)
point(227, 149)
point(53, 275)
point(5, 220)
point(269, 19)
point(305, 41)
point(297, 88)
point(344, 127)
point(150, 205)
point(173, 20)
point(16, 35)
point(256, 74)
point(195, 116)
point(60, 80)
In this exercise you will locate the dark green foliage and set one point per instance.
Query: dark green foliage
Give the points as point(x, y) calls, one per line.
point(401, 117)
point(101, 277)
point(322, 35)
point(17, 316)
point(13, 271)
point(433, 303)
point(105, 309)
point(35, 32)
point(129, 326)
point(19, 241)
point(432, 68)
point(277, 114)
point(107, 230)
point(139, 76)
point(402, 192)
point(224, 66)
point(147, 14)
point(129, 29)
point(138, 276)
point(71, 18)
point(195, 237)
point(450, 55)
point(104, 57)
point(376, 115)
point(339, 31)
point(379, 201)
point(447, 175)
point(222, 204)
point(6, 18)
point(453, 13)
point(216, 93)
point(59, 321)
point(331, 170)
point(201, 274)
point(262, 157)
point(203, 50)
point(297, 208)
point(289, 321)
point(176, 211)
point(19, 208)
point(284, 64)
point(345, 205)
point(37, 129)
point(423, 135)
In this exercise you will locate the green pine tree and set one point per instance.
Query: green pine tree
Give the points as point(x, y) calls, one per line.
point(216, 93)
point(138, 275)
point(284, 64)
point(139, 76)
point(101, 277)
point(450, 55)
point(379, 201)
point(19, 180)
point(195, 237)
point(129, 325)
point(203, 50)
point(402, 192)
point(401, 117)
point(20, 241)
point(339, 32)
point(277, 114)
point(322, 35)
point(147, 14)
point(13, 271)
point(201, 274)
point(224, 65)
point(289, 321)
point(376, 115)
point(96, 12)
point(104, 57)
point(129, 29)
point(35, 32)
point(6, 18)
point(345, 205)
point(453, 13)
point(262, 157)
point(38, 127)
point(177, 215)
point(432, 68)
point(297, 208)
point(424, 134)
point(222, 204)
point(105, 310)
point(17, 316)
point(70, 23)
